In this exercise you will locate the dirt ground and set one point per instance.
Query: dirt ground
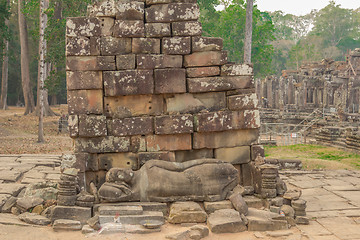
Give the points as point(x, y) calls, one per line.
point(18, 133)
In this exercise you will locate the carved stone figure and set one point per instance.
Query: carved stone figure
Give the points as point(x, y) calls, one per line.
point(160, 181)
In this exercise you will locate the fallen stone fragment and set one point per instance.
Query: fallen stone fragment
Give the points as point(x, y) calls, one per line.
point(25, 203)
point(302, 220)
point(203, 230)
point(292, 195)
point(186, 212)
point(6, 208)
point(211, 207)
point(299, 203)
point(38, 209)
point(196, 232)
point(275, 209)
point(289, 211)
point(33, 218)
point(259, 235)
point(66, 225)
point(239, 203)
point(72, 213)
point(278, 201)
point(11, 188)
point(87, 229)
point(260, 220)
point(94, 223)
point(15, 211)
point(44, 190)
point(226, 221)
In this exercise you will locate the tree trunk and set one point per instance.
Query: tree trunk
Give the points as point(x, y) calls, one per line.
point(25, 69)
point(5, 71)
point(248, 31)
point(47, 110)
point(44, 4)
point(5, 75)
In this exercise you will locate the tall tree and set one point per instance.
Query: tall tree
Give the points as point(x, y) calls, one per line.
point(230, 25)
point(44, 4)
point(5, 62)
point(334, 24)
point(25, 70)
point(248, 31)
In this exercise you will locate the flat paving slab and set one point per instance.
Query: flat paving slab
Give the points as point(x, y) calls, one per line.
point(333, 203)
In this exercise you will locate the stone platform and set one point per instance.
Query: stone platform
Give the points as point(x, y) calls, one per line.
point(333, 200)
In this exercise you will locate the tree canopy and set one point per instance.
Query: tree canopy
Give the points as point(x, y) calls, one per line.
point(229, 24)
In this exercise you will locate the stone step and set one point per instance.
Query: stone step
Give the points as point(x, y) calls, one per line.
point(147, 206)
point(133, 219)
point(131, 229)
point(120, 210)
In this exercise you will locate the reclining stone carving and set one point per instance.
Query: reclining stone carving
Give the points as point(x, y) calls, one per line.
point(160, 181)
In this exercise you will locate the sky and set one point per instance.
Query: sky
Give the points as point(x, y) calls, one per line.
point(302, 7)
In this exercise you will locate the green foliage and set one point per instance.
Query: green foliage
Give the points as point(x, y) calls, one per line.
point(57, 13)
point(327, 33)
point(333, 23)
point(229, 24)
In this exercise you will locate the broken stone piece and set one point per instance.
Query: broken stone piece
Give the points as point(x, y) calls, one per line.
point(33, 218)
point(25, 203)
point(66, 225)
point(298, 204)
point(87, 229)
point(38, 209)
point(260, 220)
point(70, 212)
point(302, 220)
point(292, 195)
point(94, 223)
point(226, 221)
point(239, 203)
point(6, 208)
point(211, 207)
point(196, 232)
point(186, 212)
point(289, 211)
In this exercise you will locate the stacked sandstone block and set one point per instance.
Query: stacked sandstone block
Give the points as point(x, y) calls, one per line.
point(143, 84)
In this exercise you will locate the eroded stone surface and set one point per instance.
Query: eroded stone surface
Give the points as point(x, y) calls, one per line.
point(186, 212)
point(226, 221)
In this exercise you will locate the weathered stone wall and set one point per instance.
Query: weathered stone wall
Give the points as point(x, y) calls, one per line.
point(143, 84)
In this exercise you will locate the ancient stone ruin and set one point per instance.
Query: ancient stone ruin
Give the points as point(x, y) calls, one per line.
point(159, 116)
point(321, 97)
point(143, 85)
point(325, 84)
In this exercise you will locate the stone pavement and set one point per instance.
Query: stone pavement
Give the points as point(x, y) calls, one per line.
point(333, 202)
point(333, 197)
point(18, 171)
